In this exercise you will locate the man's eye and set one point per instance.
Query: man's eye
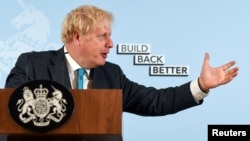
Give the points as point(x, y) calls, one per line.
point(103, 36)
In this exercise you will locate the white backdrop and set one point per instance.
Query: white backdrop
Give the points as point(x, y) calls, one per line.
point(182, 30)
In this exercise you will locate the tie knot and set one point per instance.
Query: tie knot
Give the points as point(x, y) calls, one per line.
point(81, 71)
point(80, 82)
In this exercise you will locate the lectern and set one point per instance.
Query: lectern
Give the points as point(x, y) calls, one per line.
point(97, 116)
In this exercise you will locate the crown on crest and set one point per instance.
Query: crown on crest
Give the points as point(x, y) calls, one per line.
point(41, 92)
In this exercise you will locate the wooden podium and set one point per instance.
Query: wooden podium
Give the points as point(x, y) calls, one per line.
point(97, 116)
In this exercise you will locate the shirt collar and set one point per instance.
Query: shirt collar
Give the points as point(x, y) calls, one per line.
point(71, 63)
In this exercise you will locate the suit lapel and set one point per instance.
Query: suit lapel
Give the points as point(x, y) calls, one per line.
point(59, 71)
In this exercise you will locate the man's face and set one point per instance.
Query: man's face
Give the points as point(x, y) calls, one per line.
point(94, 47)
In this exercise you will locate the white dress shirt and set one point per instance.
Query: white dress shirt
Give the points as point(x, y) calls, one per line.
point(72, 68)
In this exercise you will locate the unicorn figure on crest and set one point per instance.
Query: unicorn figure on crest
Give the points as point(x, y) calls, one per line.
point(33, 29)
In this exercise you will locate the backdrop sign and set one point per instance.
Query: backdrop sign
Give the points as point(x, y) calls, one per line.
point(156, 43)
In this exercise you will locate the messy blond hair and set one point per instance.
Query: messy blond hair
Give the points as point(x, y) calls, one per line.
point(82, 20)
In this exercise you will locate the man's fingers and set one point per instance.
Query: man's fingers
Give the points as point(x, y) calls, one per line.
point(228, 65)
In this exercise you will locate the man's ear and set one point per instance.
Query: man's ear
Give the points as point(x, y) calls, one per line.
point(76, 38)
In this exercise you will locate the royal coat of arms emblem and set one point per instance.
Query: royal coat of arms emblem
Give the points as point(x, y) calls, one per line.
point(41, 105)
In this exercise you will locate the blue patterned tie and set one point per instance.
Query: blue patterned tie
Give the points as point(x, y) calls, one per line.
point(80, 72)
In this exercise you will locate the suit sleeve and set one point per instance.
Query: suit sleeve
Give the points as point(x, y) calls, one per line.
point(149, 101)
point(18, 74)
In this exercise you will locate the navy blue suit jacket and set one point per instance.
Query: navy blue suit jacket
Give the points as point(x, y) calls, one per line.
point(137, 99)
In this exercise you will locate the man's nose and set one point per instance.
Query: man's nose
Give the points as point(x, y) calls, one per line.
point(109, 43)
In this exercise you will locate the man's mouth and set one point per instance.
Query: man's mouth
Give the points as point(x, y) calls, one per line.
point(104, 55)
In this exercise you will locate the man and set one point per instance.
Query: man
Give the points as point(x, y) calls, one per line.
point(86, 35)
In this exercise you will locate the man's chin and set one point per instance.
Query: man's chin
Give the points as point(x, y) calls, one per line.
point(101, 64)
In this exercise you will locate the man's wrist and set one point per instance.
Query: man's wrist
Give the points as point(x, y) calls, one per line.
point(197, 93)
point(202, 89)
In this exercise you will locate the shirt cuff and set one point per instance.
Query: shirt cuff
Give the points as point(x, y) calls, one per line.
point(197, 93)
